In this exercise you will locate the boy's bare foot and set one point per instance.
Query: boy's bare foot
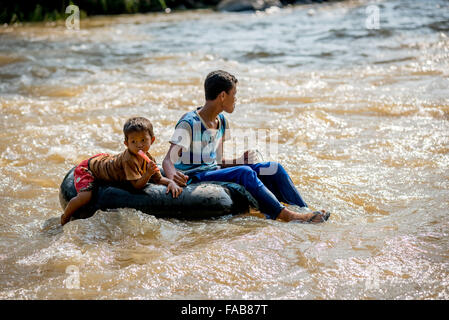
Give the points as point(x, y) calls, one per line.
point(311, 217)
point(65, 218)
point(74, 204)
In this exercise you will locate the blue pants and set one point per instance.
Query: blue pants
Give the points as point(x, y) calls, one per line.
point(268, 189)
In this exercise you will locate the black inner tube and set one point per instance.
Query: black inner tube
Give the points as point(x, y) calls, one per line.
point(197, 201)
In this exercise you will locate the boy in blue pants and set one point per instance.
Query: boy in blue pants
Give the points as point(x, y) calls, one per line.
point(198, 141)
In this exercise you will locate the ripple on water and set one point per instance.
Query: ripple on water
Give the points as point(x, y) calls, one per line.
point(362, 129)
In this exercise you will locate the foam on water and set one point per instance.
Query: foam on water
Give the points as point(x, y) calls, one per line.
point(362, 123)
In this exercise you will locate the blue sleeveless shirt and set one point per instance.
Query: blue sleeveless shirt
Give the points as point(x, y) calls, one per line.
point(200, 144)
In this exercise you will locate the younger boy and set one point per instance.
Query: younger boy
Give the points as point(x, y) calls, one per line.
point(125, 166)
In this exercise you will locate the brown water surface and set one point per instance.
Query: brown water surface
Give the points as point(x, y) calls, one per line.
point(363, 123)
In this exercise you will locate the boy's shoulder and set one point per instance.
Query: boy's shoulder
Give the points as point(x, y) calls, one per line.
point(194, 116)
point(125, 154)
point(125, 157)
point(222, 116)
point(189, 118)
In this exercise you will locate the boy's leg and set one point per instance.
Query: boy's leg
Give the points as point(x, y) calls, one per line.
point(279, 182)
point(74, 204)
point(268, 203)
point(274, 176)
point(84, 182)
point(247, 177)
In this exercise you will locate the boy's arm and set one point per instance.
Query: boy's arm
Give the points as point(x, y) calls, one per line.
point(221, 161)
point(171, 186)
point(142, 182)
point(169, 168)
point(164, 181)
point(151, 170)
point(247, 157)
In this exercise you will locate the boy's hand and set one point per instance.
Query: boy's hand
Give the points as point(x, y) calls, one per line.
point(151, 168)
point(180, 179)
point(248, 157)
point(174, 189)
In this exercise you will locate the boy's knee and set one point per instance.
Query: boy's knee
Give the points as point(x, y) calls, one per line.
point(271, 168)
point(245, 170)
point(246, 174)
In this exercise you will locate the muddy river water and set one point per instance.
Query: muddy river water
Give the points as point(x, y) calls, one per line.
point(361, 112)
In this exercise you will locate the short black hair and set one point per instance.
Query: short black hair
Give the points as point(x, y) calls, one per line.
point(138, 124)
point(218, 81)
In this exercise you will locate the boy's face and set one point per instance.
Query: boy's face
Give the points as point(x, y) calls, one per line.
point(229, 100)
point(139, 140)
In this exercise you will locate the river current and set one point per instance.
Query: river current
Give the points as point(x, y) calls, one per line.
point(360, 107)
